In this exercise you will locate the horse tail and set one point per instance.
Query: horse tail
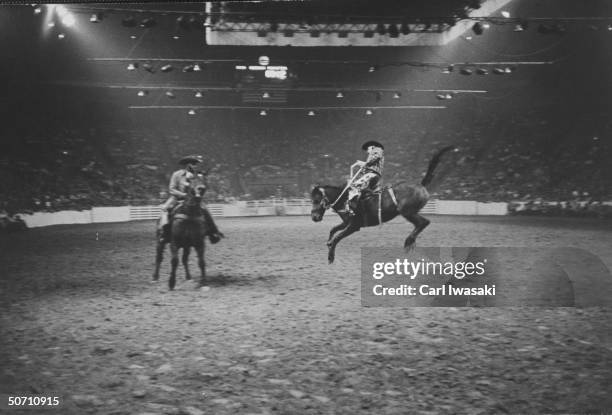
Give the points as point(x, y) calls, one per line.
point(433, 164)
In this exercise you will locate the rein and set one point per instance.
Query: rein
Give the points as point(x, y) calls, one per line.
point(325, 201)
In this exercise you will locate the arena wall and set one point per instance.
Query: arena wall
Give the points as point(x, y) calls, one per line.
point(240, 209)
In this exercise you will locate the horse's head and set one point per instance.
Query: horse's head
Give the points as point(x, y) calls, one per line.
point(197, 187)
point(320, 203)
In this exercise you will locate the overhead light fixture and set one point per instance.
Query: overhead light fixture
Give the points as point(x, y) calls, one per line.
point(191, 112)
point(61, 36)
point(482, 71)
point(339, 95)
point(448, 69)
point(311, 113)
point(176, 37)
point(132, 36)
point(51, 24)
point(182, 22)
point(197, 67)
point(170, 94)
point(129, 21)
point(188, 68)
point(373, 68)
point(265, 95)
point(142, 93)
point(166, 68)
point(505, 14)
point(368, 112)
point(498, 71)
point(195, 23)
point(397, 95)
point(132, 66)
point(446, 96)
point(477, 28)
point(519, 27)
point(486, 25)
point(508, 70)
point(263, 113)
point(37, 10)
point(198, 94)
point(96, 18)
point(466, 71)
point(147, 23)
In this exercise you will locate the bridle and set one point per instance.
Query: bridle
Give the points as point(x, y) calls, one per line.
point(325, 203)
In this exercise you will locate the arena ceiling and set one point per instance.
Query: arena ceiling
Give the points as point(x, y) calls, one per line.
point(86, 71)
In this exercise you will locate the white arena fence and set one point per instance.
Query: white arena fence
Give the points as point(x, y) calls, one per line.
point(271, 207)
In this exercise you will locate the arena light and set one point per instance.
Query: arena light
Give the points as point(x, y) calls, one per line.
point(265, 95)
point(482, 71)
point(311, 113)
point(188, 68)
point(505, 14)
point(368, 112)
point(499, 71)
point(170, 94)
point(198, 94)
point(339, 94)
point(147, 23)
point(132, 66)
point(51, 24)
point(486, 25)
point(176, 37)
point(448, 69)
point(166, 68)
point(191, 112)
point(446, 96)
point(96, 18)
point(519, 28)
point(61, 36)
point(142, 93)
point(197, 67)
point(263, 113)
point(373, 68)
point(37, 10)
point(466, 71)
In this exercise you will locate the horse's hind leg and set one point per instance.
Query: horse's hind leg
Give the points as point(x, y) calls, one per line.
point(419, 223)
point(202, 264)
point(159, 257)
point(174, 262)
point(186, 262)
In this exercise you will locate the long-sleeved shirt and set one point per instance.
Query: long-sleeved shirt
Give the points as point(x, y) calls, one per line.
point(179, 183)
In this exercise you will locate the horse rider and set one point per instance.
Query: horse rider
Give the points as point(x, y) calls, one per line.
point(369, 174)
point(179, 182)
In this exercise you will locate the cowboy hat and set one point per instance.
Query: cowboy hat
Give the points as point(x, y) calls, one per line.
point(192, 159)
point(371, 143)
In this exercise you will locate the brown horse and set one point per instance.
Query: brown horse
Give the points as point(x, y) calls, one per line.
point(187, 229)
point(402, 199)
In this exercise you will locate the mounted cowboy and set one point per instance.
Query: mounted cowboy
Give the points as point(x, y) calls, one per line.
point(368, 175)
point(179, 182)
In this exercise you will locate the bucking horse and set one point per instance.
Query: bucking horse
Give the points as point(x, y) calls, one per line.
point(375, 207)
point(188, 229)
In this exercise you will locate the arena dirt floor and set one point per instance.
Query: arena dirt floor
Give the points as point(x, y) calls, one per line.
point(280, 331)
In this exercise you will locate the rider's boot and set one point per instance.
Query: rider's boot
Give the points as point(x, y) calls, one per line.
point(352, 205)
point(213, 233)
